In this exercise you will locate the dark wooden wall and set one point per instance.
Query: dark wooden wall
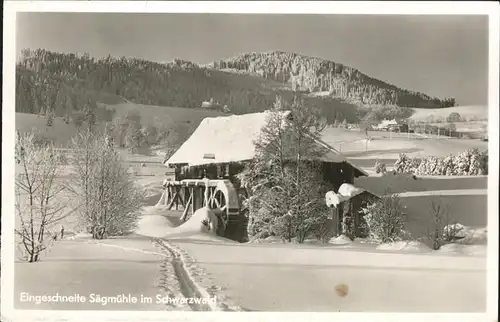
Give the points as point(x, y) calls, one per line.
point(335, 174)
point(211, 171)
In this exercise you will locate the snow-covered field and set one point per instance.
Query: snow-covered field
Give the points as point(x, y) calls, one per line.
point(465, 197)
point(385, 147)
point(476, 112)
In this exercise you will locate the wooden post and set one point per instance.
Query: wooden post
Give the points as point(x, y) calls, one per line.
point(354, 211)
point(172, 201)
point(340, 218)
point(197, 198)
point(177, 200)
point(204, 201)
point(194, 200)
point(167, 196)
point(335, 222)
point(193, 197)
point(182, 197)
point(186, 209)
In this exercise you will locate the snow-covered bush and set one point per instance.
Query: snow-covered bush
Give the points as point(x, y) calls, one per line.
point(380, 167)
point(108, 200)
point(454, 117)
point(67, 119)
point(385, 219)
point(401, 163)
point(483, 161)
point(468, 163)
point(405, 164)
point(449, 165)
point(439, 167)
point(49, 121)
point(324, 230)
point(431, 166)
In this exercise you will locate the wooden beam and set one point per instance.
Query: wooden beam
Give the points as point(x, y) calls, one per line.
point(354, 215)
point(335, 222)
point(192, 196)
point(173, 200)
point(180, 198)
point(187, 196)
point(198, 198)
point(186, 209)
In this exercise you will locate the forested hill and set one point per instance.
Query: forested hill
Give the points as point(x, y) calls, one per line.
point(318, 75)
point(60, 83)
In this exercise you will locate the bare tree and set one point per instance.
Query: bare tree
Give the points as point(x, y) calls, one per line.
point(169, 139)
point(108, 198)
point(386, 219)
point(39, 203)
point(443, 229)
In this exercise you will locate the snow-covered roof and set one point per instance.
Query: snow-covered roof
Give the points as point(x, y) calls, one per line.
point(349, 191)
point(231, 138)
point(346, 191)
point(385, 123)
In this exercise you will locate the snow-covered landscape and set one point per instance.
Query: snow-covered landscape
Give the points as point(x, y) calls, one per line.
point(257, 276)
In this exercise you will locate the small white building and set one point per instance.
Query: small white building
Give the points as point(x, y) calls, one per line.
point(211, 104)
point(385, 124)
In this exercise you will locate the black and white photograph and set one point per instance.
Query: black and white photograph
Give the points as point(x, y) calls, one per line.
point(159, 161)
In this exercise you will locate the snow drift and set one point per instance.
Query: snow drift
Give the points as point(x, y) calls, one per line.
point(407, 246)
point(472, 250)
point(468, 235)
point(194, 225)
point(194, 228)
point(340, 240)
point(153, 223)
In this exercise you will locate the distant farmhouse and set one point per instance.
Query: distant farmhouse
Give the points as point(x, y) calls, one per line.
point(212, 105)
point(385, 124)
point(392, 125)
point(219, 150)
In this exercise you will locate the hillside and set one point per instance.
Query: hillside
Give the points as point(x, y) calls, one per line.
point(183, 120)
point(60, 83)
point(63, 83)
point(313, 74)
point(60, 133)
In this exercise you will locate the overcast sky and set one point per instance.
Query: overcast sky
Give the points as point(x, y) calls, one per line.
point(443, 56)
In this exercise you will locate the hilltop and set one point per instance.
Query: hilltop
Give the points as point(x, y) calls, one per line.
point(312, 74)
